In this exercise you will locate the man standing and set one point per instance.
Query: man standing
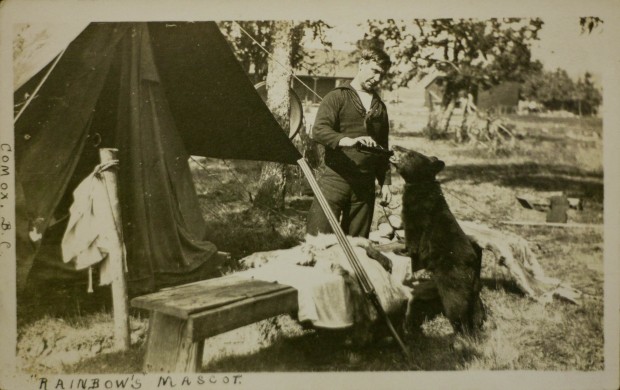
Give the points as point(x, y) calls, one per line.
point(349, 115)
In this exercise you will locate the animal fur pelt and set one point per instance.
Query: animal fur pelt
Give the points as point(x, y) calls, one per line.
point(518, 263)
point(386, 271)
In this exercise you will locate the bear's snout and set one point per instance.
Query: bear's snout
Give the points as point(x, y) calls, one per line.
point(399, 154)
point(394, 159)
point(412, 165)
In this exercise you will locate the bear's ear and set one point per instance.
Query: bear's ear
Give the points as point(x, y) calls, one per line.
point(438, 165)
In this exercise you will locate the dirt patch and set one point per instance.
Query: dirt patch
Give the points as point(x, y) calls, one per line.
point(51, 344)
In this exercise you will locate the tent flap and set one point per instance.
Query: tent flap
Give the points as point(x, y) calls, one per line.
point(213, 102)
point(167, 230)
point(158, 92)
point(50, 135)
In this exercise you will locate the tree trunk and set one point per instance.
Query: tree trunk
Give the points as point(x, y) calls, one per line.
point(433, 118)
point(438, 118)
point(272, 182)
point(462, 133)
point(444, 123)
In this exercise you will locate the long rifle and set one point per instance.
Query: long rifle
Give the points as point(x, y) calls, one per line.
point(360, 273)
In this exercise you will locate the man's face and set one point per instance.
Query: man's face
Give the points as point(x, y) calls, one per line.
point(370, 74)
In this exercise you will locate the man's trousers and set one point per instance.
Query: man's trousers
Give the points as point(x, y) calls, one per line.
point(351, 201)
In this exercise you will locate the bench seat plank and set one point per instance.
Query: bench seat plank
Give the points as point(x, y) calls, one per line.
point(182, 301)
point(241, 313)
point(183, 316)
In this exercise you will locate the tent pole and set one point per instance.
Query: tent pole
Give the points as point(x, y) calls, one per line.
point(116, 262)
point(360, 273)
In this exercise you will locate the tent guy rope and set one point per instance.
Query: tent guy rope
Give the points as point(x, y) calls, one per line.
point(34, 93)
point(276, 61)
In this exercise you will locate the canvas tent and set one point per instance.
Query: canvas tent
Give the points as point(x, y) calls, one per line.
point(158, 92)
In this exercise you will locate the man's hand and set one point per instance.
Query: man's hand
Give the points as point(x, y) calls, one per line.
point(348, 142)
point(386, 195)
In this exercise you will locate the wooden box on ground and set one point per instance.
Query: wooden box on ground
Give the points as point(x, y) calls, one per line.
point(183, 316)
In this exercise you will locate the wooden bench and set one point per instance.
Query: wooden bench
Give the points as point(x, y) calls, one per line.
point(183, 316)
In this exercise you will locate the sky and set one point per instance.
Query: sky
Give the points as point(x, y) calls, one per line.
point(561, 45)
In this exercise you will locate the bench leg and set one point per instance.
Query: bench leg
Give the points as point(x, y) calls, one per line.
point(169, 346)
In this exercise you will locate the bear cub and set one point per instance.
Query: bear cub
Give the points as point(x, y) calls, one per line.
point(435, 242)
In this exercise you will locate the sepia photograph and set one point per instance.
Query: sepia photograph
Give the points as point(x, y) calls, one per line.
point(320, 195)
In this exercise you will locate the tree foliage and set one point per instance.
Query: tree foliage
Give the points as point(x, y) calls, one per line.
point(473, 53)
point(588, 95)
point(253, 58)
point(555, 90)
point(271, 50)
point(589, 23)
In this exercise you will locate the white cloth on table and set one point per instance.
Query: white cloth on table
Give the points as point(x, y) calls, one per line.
point(329, 298)
point(321, 296)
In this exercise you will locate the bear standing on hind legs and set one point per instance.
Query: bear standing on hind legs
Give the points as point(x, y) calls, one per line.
point(436, 242)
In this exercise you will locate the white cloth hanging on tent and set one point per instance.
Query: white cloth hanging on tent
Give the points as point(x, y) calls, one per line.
point(92, 236)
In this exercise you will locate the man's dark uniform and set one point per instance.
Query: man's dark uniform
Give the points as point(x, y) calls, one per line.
point(348, 182)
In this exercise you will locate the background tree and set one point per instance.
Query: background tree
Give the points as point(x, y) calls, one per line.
point(254, 59)
point(283, 41)
point(589, 23)
point(591, 97)
point(272, 182)
point(555, 90)
point(473, 54)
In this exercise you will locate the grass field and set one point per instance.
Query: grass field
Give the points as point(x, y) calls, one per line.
point(520, 334)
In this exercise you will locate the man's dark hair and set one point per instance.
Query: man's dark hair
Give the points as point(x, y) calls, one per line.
point(379, 56)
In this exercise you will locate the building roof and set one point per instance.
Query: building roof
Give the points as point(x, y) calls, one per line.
point(329, 63)
point(430, 77)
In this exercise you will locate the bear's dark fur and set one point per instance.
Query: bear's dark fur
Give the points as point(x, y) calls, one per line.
point(435, 241)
